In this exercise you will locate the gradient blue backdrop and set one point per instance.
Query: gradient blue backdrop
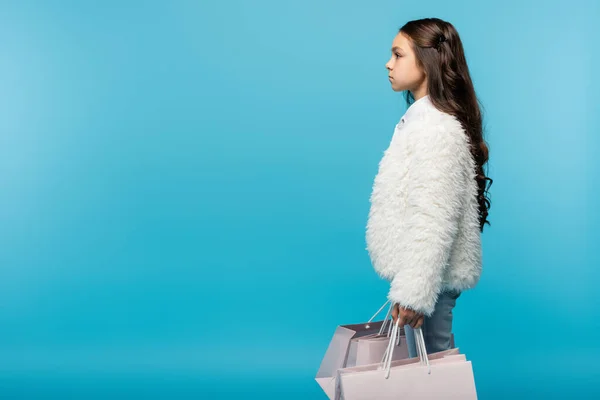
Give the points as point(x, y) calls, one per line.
point(184, 189)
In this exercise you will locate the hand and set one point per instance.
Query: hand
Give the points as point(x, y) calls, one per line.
point(407, 317)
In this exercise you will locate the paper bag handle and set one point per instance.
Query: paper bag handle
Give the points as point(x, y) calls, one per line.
point(420, 344)
point(386, 320)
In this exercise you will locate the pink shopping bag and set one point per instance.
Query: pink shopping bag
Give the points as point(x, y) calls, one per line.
point(443, 375)
point(355, 345)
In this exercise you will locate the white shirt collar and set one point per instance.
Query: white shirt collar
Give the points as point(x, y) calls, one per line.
point(418, 107)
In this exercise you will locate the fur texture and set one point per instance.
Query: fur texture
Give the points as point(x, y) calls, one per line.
point(423, 227)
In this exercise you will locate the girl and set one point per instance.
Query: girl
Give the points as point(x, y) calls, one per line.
point(429, 204)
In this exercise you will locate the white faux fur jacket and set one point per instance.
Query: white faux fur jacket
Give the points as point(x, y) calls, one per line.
point(423, 228)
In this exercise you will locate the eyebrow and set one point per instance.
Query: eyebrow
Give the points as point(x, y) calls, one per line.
point(396, 48)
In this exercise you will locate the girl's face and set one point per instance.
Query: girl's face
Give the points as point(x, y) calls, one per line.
point(403, 71)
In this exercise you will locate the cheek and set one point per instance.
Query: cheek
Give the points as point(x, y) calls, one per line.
point(416, 71)
point(407, 71)
point(400, 69)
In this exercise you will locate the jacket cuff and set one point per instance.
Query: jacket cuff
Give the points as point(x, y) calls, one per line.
point(414, 296)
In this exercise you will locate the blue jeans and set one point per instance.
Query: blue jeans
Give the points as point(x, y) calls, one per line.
point(437, 329)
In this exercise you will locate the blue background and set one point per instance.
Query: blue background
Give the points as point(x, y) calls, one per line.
point(185, 189)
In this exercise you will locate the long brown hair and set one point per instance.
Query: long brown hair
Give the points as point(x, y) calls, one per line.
point(439, 51)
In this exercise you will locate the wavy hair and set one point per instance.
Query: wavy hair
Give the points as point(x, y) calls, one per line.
point(439, 52)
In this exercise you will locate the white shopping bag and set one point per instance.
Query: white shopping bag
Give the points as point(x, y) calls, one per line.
point(443, 375)
point(355, 345)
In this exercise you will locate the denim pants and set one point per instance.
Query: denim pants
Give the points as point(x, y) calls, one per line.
point(437, 329)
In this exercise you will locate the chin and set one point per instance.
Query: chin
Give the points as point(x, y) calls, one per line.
point(397, 88)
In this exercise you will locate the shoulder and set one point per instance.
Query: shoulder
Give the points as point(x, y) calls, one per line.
point(441, 126)
point(437, 130)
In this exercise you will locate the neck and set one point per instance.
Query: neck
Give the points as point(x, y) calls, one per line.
point(421, 91)
point(419, 94)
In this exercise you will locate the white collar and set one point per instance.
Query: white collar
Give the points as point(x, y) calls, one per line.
point(418, 107)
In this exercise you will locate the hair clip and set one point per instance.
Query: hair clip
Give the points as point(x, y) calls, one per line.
point(441, 39)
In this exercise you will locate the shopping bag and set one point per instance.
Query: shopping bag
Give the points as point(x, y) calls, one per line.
point(443, 375)
point(370, 349)
point(357, 344)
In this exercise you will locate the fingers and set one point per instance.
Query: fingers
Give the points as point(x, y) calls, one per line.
point(419, 322)
point(395, 312)
point(406, 317)
point(413, 320)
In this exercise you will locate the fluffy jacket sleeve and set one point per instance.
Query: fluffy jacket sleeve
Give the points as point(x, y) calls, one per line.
point(433, 207)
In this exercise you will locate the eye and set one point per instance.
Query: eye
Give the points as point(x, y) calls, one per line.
point(397, 55)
